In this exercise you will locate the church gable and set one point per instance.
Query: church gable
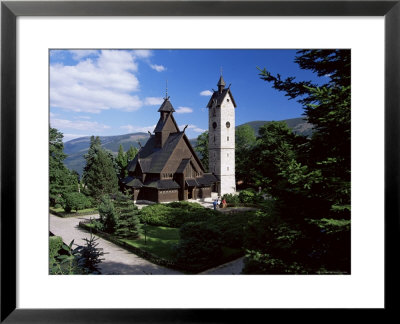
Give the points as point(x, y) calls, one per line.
point(182, 151)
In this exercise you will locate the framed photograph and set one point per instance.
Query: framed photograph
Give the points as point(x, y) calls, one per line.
point(48, 46)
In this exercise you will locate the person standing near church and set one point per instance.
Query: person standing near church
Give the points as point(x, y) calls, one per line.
point(215, 203)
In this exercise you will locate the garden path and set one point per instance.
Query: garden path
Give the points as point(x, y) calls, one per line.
point(117, 260)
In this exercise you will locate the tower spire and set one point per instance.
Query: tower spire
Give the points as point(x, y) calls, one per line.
point(221, 83)
point(166, 89)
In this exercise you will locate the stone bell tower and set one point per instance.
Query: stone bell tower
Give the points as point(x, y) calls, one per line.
point(221, 137)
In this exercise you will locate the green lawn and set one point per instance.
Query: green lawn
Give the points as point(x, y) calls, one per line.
point(61, 212)
point(159, 241)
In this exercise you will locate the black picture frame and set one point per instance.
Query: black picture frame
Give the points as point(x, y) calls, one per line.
point(10, 10)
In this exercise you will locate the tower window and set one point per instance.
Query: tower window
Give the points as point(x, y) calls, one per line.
point(228, 124)
point(227, 138)
point(227, 100)
point(214, 125)
point(227, 154)
point(227, 168)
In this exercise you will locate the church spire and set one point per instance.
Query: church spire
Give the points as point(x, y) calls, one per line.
point(221, 83)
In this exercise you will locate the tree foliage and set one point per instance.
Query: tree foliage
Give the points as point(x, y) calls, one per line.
point(108, 214)
point(202, 149)
point(83, 259)
point(245, 140)
point(75, 201)
point(309, 179)
point(123, 158)
point(127, 217)
point(100, 172)
point(61, 180)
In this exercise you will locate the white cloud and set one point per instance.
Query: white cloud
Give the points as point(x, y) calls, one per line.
point(206, 93)
point(106, 82)
point(77, 124)
point(80, 54)
point(83, 117)
point(194, 128)
point(142, 53)
point(184, 110)
point(138, 129)
point(153, 101)
point(158, 68)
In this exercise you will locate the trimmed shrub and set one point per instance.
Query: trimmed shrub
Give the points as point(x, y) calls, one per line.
point(75, 201)
point(200, 244)
point(174, 214)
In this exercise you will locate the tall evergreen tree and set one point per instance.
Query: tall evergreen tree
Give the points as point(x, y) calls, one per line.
point(128, 217)
point(61, 180)
point(202, 149)
point(131, 153)
point(328, 108)
point(245, 140)
point(122, 162)
point(99, 174)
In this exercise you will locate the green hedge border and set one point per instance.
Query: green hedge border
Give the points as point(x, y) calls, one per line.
point(186, 268)
point(67, 215)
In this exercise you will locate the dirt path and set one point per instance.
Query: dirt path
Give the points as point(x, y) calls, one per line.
point(117, 260)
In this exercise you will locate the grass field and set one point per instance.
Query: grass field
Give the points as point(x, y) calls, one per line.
point(159, 241)
point(61, 212)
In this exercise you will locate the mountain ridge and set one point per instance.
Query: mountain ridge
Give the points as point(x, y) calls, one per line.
point(78, 147)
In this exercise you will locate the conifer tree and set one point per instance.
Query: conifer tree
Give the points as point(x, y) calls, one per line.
point(122, 162)
point(202, 149)
point(99, 174)
point(128, 219)
point(131, 153)
point(61, 180)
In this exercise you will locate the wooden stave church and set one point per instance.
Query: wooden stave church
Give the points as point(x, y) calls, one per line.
point(167, 168)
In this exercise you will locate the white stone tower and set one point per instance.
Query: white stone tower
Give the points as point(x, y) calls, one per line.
point(221, 137)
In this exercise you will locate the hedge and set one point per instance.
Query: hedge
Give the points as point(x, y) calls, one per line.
point(175, 214)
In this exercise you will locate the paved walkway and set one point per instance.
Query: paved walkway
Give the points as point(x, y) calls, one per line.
point(231, 268)
point(120, 261)
point(117, 260)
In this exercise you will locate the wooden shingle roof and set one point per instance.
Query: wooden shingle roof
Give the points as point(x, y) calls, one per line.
point(217, 98)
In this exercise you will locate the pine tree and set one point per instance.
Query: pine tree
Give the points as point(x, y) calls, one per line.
point(99, 174)
point(131, 153)
point(328, 108)
point(61, 180)
point(202, 149)
point(128, 220)
point(122, 162)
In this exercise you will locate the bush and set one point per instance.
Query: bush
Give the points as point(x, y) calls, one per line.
point(174, 214)
point(75, 201)
point(57, 206)
point(55, 245)
point(313, 246)
point(200, 244)
point(231, 200)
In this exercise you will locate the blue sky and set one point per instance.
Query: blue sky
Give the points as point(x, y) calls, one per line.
point(114, 92)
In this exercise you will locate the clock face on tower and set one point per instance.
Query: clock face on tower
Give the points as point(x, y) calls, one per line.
point(214, 125)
